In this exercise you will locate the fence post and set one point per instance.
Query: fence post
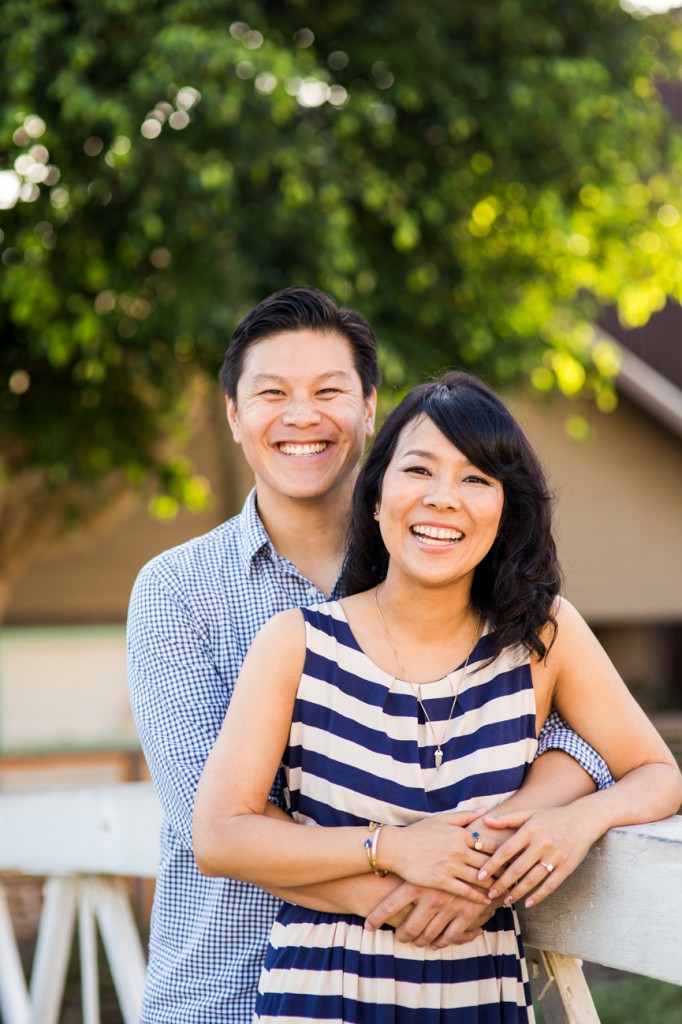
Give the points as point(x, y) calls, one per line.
point(559, 988)
point(55, 938)
point(14, 1004)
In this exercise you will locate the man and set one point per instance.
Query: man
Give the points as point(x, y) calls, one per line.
point(300, 379)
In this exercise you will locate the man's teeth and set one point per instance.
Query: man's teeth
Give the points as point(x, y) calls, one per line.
point(437, 533)
point(301, 450)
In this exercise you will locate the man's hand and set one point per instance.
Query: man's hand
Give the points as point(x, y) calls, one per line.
point(429, 917)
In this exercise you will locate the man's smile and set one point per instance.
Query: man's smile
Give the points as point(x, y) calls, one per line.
point(301, 451)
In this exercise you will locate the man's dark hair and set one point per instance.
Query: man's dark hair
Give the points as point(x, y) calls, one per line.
point(298, 309)
point(515, 586)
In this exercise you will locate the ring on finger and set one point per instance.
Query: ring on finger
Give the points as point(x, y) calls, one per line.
point(478, 845)
point(549, 868)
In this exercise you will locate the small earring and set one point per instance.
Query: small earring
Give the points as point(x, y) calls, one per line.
point(375, 513)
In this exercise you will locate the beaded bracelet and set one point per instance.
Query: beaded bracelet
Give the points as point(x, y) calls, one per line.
point(370, 846)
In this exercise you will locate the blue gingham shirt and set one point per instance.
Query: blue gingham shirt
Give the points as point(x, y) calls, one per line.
point(194, 611)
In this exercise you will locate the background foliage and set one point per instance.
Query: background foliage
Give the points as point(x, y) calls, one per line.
point(478, 178)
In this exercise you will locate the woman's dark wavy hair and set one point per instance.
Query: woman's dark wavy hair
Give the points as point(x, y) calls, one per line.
point(515, 585)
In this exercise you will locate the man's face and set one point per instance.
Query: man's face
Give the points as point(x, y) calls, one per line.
point(300, 415)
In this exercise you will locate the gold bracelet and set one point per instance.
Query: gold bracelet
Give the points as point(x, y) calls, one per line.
point(371, 847)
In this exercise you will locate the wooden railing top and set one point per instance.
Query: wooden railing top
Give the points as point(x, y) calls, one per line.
point(621, 908)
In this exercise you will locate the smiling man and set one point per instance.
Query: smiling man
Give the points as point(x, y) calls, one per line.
point(300, 380)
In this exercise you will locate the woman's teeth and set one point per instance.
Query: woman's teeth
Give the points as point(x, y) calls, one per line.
point(437, 534)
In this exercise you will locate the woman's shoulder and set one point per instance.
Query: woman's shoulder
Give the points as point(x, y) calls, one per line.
point(569, 622)
point(284, 631)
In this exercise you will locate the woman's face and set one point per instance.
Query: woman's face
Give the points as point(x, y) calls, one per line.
point(438, 514)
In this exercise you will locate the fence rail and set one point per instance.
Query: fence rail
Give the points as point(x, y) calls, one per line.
point(621, 908)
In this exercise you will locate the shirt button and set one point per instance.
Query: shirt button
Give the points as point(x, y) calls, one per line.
point(312, 592)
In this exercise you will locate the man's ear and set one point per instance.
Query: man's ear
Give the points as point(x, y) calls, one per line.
point(233, 419)
point(370, 412)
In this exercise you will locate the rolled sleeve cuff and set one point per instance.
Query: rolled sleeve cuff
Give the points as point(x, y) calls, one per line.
point(556, 734)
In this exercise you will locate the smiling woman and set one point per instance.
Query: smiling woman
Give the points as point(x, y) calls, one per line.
point(405, 713)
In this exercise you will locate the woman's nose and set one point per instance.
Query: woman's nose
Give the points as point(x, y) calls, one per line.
point(443, 495)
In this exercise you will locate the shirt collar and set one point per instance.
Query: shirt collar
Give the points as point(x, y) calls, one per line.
point(253, 534)
point(255, 539)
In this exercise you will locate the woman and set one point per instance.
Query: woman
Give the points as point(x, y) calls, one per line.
point(410, 708)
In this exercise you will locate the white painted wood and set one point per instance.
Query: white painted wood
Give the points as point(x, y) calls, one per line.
point(14, 1004)
point(87, 942)
point(55, 939)
point(559, 987)
point(121, 940)
point(112, 830)
point(622, 907)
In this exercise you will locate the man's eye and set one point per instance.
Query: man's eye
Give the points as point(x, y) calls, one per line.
point(329, 391)
point(271, 391)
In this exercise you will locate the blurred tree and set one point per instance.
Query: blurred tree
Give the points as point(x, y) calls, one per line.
point(476, 177)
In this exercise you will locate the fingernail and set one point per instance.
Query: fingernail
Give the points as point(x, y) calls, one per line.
point(492, 893)
point(508, 900)
point(529, 903)
point(369, 927)
point(482, 874)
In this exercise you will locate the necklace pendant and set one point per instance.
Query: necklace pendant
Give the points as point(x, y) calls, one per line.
point(438, 757)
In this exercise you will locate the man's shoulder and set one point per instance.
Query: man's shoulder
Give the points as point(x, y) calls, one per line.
point(204, 556)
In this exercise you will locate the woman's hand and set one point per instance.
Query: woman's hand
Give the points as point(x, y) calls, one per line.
point(546, 848)
point(436, 852)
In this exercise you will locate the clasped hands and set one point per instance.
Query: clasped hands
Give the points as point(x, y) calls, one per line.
point(452, 889)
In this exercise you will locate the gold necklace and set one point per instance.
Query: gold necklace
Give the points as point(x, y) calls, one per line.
point(438, 754)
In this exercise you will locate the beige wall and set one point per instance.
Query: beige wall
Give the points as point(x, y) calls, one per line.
point(620, 509)
point(64, 688)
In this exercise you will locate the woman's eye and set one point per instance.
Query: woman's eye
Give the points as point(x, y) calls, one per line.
point(422, 470)
point(475, 479)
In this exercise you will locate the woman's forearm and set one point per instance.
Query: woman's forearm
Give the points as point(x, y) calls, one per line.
point(647, 793)
point(549, 843)
point(434, 852)
point(357, 895)
point(269, 852)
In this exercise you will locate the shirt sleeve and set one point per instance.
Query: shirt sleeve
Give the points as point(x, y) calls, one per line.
point(556, 734)
point(177, 694)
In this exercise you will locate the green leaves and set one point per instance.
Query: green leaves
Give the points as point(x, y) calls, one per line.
point(477, 178)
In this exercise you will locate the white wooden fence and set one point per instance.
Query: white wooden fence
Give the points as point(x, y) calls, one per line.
point(622, 907)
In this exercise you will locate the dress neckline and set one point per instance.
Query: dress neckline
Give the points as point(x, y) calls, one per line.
point(432, 684)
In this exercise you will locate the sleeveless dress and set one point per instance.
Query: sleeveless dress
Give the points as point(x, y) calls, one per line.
point(360, 750)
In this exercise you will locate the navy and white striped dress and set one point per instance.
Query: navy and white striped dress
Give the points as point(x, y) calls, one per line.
point(360, 751)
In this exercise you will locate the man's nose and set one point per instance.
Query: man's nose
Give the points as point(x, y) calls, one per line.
point(301, 412)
